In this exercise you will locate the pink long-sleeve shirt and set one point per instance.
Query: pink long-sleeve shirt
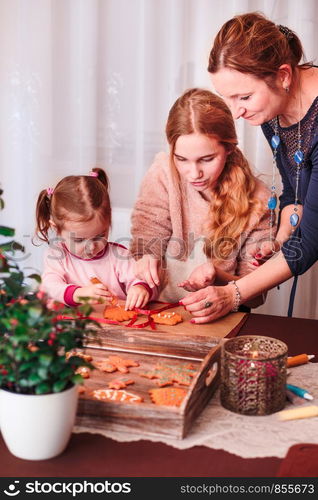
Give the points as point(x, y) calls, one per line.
point(64, 272)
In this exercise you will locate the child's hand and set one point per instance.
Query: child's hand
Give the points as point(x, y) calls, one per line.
point(94, 292)
point(137, 296)
point(202, 276)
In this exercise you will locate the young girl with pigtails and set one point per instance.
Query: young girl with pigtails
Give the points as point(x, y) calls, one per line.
point(78, 212)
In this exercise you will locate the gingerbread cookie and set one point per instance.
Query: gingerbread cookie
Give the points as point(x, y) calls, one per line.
point(116, 395)
point(168, 396)
point(83, 371)
point(120, 384)
point(168, 374)
point(118, 313)
point(95, 281)
point(86, 357)
point(167, 318)
point(114, 363)
point(105, 366)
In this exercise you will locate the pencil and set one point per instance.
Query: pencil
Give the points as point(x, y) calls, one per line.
point(299, 360)
point(299, 391)
point(295, 413)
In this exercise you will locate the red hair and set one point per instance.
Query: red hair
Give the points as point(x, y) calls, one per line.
point(251, 43)
point(201, 111)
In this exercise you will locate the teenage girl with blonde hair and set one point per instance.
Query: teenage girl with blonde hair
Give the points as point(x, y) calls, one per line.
point(200, 208)
point(78, 211)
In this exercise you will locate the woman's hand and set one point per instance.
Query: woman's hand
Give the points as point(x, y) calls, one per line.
point(262, 251)
point(209, 303)
point(146, 269)
point(94, 292)
point(137, 296)
point(201, 277)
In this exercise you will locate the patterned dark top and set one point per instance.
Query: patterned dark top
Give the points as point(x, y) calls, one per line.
point(301, 250)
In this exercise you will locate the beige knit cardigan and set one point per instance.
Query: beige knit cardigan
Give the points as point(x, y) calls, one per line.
point(168, 218)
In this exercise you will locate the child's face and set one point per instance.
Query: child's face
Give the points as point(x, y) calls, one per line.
point(200, 160)
point(85, 239)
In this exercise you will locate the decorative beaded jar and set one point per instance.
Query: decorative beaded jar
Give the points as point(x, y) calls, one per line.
point(253, 375)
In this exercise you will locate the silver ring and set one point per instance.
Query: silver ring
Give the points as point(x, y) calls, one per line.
point(208, 304)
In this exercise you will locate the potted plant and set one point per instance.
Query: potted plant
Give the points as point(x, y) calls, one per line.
point(38, 379)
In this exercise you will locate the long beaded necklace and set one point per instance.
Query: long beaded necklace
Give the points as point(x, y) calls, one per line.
point(298, 157)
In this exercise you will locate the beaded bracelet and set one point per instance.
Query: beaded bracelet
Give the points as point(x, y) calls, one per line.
point(237, 298)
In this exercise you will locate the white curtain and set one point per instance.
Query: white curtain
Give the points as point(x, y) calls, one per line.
point(86, 82)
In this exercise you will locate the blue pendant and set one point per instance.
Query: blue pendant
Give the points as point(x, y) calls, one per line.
point(275, 140)
point(272, 202)
point(298, 156)
point(294, 219)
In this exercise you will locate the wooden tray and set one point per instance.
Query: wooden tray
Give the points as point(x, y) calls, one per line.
point(178, 345)
point(182, 339)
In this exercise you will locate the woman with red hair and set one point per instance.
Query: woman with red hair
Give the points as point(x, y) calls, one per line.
point(258, 69)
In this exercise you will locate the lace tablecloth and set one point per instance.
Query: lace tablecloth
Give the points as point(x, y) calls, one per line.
point(245, 436)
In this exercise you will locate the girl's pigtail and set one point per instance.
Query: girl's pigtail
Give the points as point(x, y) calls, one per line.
point(102, 176)
point(43, 215)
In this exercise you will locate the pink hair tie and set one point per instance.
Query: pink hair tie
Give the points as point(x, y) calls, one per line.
point(49, 191)
point(93, 174)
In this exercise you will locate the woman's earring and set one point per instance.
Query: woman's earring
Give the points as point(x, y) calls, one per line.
point(286, 90)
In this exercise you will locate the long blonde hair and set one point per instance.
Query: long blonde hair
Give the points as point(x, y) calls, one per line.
point(233, 196)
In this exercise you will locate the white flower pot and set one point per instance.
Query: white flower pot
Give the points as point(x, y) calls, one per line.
point(37, 427)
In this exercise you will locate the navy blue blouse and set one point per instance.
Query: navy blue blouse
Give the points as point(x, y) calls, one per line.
point(301, 250)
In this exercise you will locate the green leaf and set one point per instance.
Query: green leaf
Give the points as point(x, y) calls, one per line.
point(59, 385)
point(57, 367)
point(19, 337)
point(45, 359)
point(26, 366)
point(13, 285)
point(6, 323)
point(67, 372)
point(77, 379)
point(35, 312)
point(34, 379)
point(19, 354)
point(24, 382)
point(43, 388)
point(4, 265)
point(43, 372)
point(12, 246)
point(77, 361)
point(6, 231)
point(35, 277)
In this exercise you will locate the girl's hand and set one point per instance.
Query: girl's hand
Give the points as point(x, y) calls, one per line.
point(200, 277)
point(146, 269)
point(209, 303)
point(94, 292)
point(137, 296)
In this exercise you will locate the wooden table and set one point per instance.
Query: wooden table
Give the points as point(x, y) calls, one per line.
point(90, 455)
